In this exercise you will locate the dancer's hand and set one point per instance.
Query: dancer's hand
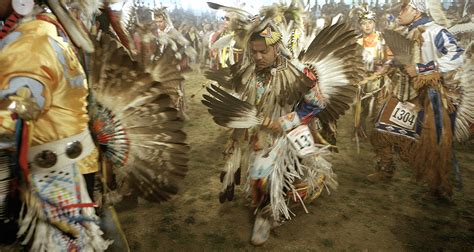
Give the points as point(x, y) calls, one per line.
point(273, 125)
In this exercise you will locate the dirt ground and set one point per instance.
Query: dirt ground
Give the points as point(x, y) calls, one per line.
point(358, 216)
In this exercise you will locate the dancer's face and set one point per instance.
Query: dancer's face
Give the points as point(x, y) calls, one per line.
point(263, 55)
point(226, 22)
point(161, 23)
point(368, 26)
point(407, 15)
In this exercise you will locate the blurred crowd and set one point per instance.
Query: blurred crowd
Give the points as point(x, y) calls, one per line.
point(202, 30)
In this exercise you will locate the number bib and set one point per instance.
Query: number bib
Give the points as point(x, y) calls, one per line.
point(404, 115)
point(302, 140)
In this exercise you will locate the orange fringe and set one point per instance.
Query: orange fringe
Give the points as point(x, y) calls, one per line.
point(430, 160)
point(422, 80)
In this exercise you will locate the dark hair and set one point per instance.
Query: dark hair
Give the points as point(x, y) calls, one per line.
point(256, 36)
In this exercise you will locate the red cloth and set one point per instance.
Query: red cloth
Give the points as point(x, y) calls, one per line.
point(23, 151)
point(9, 24)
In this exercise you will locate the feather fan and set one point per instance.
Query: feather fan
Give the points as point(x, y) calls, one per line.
point(229, 111)
point(335, 58)
point(135, 123)
point(399, 45)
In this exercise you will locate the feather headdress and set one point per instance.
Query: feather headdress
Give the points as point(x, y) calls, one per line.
point(363, 12)
point(244, 24)
point(292, 13)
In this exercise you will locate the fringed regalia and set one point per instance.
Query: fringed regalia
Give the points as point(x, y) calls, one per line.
point(50, 128)
point(305, 95)
point(55, 144)
point(372, 91)
point(419, 116)
point(168, 44)
point(223, 51)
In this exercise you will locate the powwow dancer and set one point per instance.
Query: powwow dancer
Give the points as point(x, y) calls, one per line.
point(155, 34)
point(45, 125)
point(281, 104)
point(168, 36)
point(44, 110)
point(419, 115)
point(224, 50)
point(375, 56)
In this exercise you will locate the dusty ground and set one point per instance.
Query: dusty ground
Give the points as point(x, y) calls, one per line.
point(358, 216)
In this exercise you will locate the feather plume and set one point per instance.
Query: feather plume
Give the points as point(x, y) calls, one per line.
point(122, 35)
point(243, 24)
point(465, 113)
point(229, 111)
point(239, 11)
point(230, 175)
point(223, 42)
point(222, 76)
point(437, 13)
